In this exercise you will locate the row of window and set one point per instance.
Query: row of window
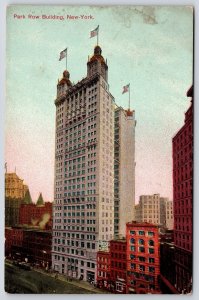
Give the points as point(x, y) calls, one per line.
point(141, 232)
point(142, 268)
point(141, 242)
point(142, 249)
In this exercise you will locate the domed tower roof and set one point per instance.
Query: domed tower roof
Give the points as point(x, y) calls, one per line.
point(97, 56)
point(65, 79)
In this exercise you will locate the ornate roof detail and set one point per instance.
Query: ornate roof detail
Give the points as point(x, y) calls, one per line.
point(65, 79)
point(97, 56)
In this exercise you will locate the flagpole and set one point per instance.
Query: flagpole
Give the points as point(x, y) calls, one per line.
point(129, 96)
point(97, 35)
point(66, 58)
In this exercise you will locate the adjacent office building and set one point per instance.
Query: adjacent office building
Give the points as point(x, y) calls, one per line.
point(124, 170)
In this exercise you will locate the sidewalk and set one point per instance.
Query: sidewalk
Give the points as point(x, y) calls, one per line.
point(74, 282)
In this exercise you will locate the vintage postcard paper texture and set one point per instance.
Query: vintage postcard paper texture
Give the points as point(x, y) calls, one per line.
point(99, 149)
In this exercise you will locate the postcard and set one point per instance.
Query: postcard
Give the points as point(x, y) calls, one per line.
point(99, 150)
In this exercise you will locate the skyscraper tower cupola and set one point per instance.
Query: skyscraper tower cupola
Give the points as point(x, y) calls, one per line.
point(97, 64)
point(64, 83)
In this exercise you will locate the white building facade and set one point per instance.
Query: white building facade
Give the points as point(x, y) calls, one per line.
point(155, 209)
point(124, 168)
point(83, 209)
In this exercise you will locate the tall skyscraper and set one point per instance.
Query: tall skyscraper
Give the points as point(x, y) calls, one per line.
point(124, 169)
point(83, 210)
point(183, 200)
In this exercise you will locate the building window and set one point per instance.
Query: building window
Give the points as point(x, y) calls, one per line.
point(141, 268)
point(151, 269)
point(132, 232)
point(132, 248)
point(132, 241)
point(141, 232)
point(133, 266)
point(150, 233)
point(141, 242)
point(151, 243)
point(142, 249)
point(132, 256)
point(141, 258)
point(151, 250)
point(151, 260)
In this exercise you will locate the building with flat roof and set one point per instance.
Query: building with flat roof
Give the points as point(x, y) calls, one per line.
point(155, 209)
point(124, 170)
point(183, 200)
point(143, 260)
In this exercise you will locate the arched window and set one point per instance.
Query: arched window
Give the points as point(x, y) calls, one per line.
point(132, 241)
point(151, 243)
point(141, 242)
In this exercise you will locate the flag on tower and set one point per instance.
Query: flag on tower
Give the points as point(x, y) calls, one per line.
point(63, 54)
point(94, 32)
point(126, 88)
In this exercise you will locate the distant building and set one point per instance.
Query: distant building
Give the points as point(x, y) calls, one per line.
point(143, 261)
point(31, 245)
point(183, 200)
point(124, 170)
point(39, 214)
point(14, 186)
point(169, 214)
point(155, 209)
point(15, 192)
point(13, 237)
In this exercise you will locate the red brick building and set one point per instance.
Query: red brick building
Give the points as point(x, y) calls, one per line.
point(111, 267)
point(29, 244)
point(118, 265)
point(35, 214)
point(103, 269)
point(13, 237)
point(143, 261)
point(183, 200)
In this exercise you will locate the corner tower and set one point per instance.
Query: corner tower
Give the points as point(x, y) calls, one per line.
point(97, 64)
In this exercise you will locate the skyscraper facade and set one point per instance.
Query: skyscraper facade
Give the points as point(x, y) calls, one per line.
point(183, 200)
point(124, 170)
point(83, 210)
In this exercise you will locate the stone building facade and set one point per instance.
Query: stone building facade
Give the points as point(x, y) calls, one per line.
point(83, 210)
point(155, 209)
point(124, 170)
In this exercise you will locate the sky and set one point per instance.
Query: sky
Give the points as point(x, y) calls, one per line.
point(149, 47)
